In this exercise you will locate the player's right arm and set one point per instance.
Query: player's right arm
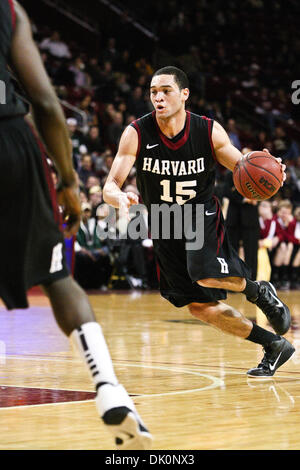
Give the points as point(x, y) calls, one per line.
point(122, 164)
point(48, 115)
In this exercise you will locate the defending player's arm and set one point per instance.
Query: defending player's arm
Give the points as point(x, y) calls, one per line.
point(122, 164)
point(48, 115)
point(226, 153)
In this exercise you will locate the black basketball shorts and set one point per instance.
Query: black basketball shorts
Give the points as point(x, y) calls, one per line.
point(180, 268)
point(31, 240)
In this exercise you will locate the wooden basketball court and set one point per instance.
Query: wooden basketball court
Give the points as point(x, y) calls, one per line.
point(187, 379)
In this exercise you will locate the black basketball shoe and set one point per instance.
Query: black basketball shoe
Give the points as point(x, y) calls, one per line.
point(275, 310)
point(276, 354)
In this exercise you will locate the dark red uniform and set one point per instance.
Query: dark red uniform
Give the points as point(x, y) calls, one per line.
point(267, 227)
point(286, 233)
point(31, 241)
point(180, 172)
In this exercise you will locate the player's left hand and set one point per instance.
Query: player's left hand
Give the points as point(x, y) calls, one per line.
point(283, 167)
point(68, 198)
point(125, 201)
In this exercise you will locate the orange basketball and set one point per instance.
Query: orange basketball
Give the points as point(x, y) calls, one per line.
point(257, 176)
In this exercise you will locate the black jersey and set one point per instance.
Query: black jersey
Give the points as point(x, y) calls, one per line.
point(179, 170)
point(10, 103)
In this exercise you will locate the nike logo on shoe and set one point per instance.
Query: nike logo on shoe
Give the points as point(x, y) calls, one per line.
point(278, 302)
point(209, 213)
point(272, 366)
point(148, 146)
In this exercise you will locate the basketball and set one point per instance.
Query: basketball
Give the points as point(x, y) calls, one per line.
point(257, 176)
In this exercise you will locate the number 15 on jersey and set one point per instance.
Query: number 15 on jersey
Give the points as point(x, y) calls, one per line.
point(183, 188)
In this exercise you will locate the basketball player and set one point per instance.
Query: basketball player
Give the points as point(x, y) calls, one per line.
point(175, 153)
point(32, 243)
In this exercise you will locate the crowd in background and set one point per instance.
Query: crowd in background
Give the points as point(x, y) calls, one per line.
point(241, 83)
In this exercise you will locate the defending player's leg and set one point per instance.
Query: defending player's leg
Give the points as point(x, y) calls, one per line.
point(222, 316)
point(261, 293)
point(75, 317)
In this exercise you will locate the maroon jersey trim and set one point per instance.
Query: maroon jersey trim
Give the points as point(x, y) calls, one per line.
point(137, 128)
point(180, 142)
point(13, 14)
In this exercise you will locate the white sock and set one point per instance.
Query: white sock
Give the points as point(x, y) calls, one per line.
point(90, 342)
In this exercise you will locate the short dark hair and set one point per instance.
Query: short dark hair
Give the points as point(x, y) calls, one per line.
point(180, 76)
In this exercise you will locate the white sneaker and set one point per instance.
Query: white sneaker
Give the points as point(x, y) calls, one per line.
point(121, 418)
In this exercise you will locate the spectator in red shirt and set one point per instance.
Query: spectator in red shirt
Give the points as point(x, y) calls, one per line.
point(267, 225)
point(285, 230)
point(295, 268)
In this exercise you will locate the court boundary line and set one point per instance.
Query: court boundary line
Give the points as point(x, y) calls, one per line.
point(216, 382)
point(126, 364)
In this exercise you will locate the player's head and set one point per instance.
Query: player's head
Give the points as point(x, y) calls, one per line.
point(180, 77)
point(169, 90)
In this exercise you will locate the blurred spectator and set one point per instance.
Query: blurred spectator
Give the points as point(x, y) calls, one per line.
point(136, 104)
point(261, 140)
point(267, 225)
point(95, 198)
point(125, 62)
point(283, 146)
point(77, 139)
point(92, 181)
point(121, 84)
point(88, 107)
point(233, 134)
point(93, 141)
point(93, 69)
point(267, 242)
point(295, 267)
point(285, 230)
point(86, 168)
point(130, 118)
point(143, 67)
point(81, 78)
point(115, 130)
point(83, 197)
point(55, 46)
point(132, 256)
point(106, 84)
point(291, 188)
point(107, 164)
point(281, 143)
point(110, 53)
point(92, 264)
